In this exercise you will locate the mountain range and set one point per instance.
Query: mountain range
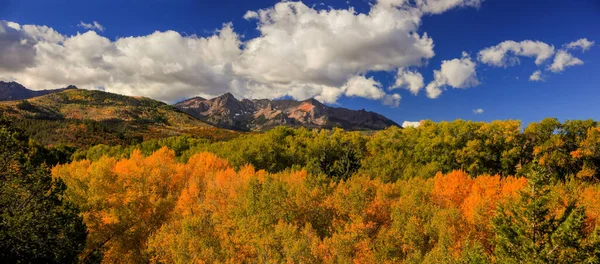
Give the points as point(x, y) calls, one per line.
point(87, 117)
point(131, 117)
point(11, 91)
point(262, 114)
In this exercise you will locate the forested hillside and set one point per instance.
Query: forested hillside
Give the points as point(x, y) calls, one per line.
point(506, 148)
point(83, 118)
point(448, 192)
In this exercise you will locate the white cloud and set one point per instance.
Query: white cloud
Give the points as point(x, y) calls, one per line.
point(583, 44)
point(363, 87)
point(456, 73)
point(42, 34)
point(250, 15)
point(369, 88)
point(411, 80)
point(478, 111)
point(411, 124)
point(392, 100)
point(93, 26)
point(500, 55)
point(300, 45)
point(430, 6)
point(393, 3)
point(562, 60)
point(300, 52)
point(159, 65)
point(13, 25)
point(16, 48)
point(440, 6)
point(536, 76)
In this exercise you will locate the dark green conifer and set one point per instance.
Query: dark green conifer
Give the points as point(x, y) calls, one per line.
point(528, 232)
point(36, 224)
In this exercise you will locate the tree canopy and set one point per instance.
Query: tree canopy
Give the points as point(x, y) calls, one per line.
point(37, 223)
point(448, 192)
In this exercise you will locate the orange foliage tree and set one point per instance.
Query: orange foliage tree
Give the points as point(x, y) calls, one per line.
point(155, 209)
point(123, 202)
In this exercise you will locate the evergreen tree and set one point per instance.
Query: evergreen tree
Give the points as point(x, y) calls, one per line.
point(529, 232)
point(339, 165)
point(36, 224)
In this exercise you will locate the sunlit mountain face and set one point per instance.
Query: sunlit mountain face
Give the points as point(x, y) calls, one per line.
point(264, 114)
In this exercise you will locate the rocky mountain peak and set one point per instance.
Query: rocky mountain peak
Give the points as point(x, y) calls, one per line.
point(262, 114)
point(228, 95)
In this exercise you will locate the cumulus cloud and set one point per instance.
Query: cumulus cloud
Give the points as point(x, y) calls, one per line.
point(411, 124)
point(478, 111)
point(300, 52)
point(431, 6)
point(506, 53)
point(158, 65)
point(251, 15)
point(562, 60)
point(440, 6)
point(363, 87)
point(93, 26)
point(456, 73)
point(12, 25)
point(411, 80)
point(369, 88)
point(16, 47)
point(583, 44)
point(392, 100)
point(536, 76)
point(299, 44)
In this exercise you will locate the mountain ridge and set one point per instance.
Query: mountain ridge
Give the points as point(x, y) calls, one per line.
point(223, 111)
point(12, 91)
point(88, 117)
point(226, 111)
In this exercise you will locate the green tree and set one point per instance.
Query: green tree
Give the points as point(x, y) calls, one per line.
point(36, 223)
point(339, 165)
point(530, 232)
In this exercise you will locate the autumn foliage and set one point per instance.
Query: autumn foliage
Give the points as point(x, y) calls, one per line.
point(153, 208)
point(447, 192)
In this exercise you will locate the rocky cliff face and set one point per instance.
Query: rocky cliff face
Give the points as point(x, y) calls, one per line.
point(12, 91)
point(262, 114)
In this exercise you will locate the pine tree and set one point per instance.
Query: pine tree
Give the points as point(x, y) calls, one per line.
point(339, 165)
point(36, 224)
point(528, 232)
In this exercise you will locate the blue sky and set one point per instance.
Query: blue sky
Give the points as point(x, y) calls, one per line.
point(502, 92)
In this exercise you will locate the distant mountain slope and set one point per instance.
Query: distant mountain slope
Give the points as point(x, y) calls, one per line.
point(257, 115)
point(84, 117)
point(10, 91)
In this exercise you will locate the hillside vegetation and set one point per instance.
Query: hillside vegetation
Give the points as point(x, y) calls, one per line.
point(448, 192)
point(84, 117)
point(501, 147)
